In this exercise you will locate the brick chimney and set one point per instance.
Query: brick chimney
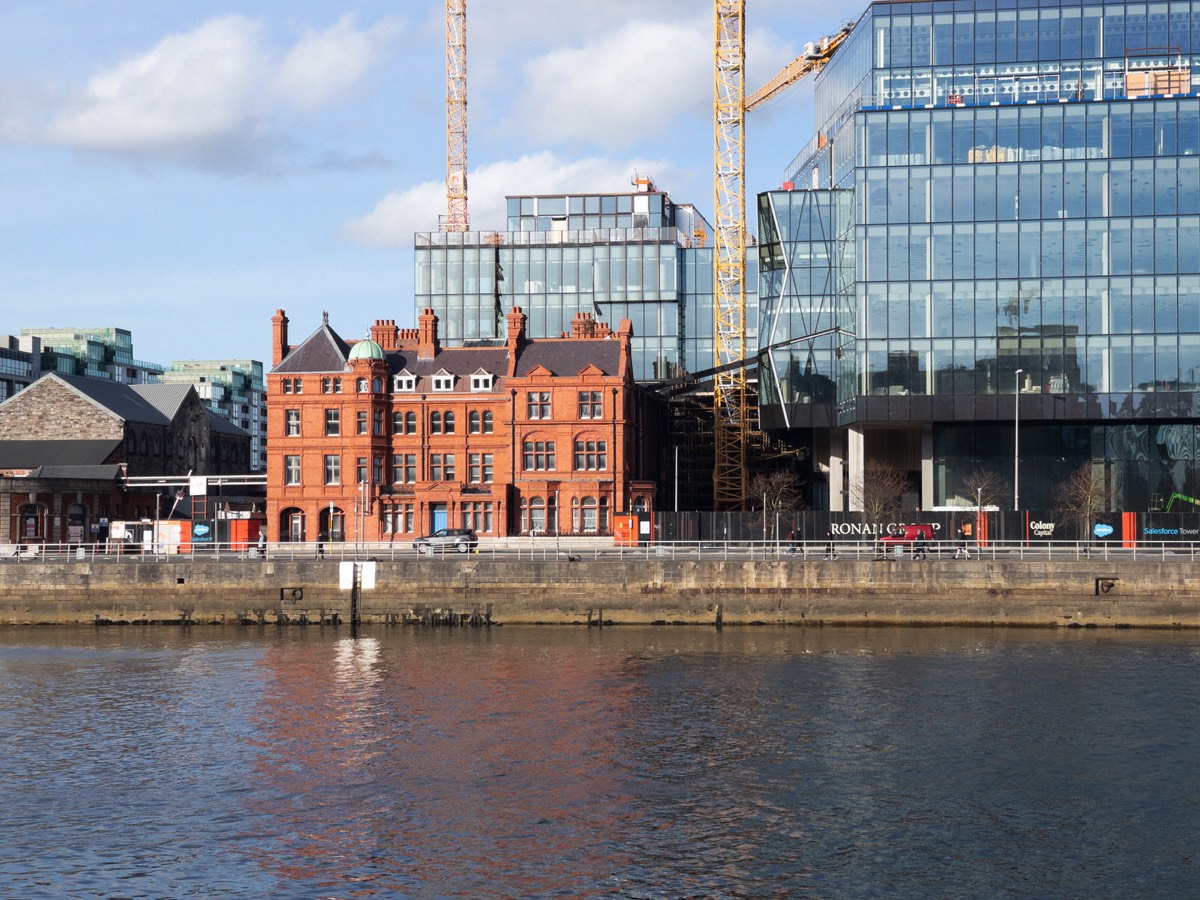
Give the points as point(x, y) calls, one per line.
point(279, 333)
point(427, 335)
point(583, 325)
point(385, 333)
point(516, 334)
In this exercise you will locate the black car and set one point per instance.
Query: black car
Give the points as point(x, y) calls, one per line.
point(445, 539)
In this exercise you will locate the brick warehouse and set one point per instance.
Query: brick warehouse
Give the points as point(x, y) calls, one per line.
point(394, 436)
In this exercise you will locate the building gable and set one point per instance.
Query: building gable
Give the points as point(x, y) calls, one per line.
point(53, 409)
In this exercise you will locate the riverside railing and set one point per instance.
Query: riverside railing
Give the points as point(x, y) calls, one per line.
point(576, 549)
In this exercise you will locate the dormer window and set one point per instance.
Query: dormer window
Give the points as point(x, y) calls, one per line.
point(404, 382)
point(443, 381)
point(481, 381)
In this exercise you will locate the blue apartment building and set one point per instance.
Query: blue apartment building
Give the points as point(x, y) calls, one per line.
point(1000, 214)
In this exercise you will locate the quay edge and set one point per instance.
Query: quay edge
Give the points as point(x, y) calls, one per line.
point(571, 591)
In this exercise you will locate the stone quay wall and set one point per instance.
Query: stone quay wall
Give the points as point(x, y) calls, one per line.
point(564, 591)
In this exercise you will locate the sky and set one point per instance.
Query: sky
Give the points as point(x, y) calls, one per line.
point(182, 170)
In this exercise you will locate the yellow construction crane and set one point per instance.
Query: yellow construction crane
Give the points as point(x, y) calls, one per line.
point(456, 117)
point(731, 427)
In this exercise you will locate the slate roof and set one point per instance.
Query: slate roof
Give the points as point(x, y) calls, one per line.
point(119, 399)
point(222, 425)
point(324, 351)
point(567, 357)
point(88, 473)
point(72, 453)
point(166, 398)
point(321, 351)
point(460, 361)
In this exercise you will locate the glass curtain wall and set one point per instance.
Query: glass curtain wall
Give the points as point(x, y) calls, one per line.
point(1026, 193)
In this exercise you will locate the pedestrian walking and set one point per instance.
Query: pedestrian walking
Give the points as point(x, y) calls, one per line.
point(919, 547)
point(262, 545)
point(963, 546)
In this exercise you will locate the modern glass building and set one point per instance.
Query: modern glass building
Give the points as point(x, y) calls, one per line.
point(637, 256)
point(1001, 206)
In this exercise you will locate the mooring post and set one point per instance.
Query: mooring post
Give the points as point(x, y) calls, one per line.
point(720, 621)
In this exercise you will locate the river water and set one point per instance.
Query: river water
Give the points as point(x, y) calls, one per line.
point(623, 762)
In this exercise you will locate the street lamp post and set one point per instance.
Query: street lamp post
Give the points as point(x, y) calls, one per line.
point(1017, 442)
point(978, 515)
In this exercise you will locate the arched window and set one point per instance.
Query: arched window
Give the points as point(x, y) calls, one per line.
point(533, 515)
point(361, 385)
point(474, 421)
point(410, 423)
point(449, 420)
point(487, 421)
point(589, 515)
point(435, 422)
point(376, 385)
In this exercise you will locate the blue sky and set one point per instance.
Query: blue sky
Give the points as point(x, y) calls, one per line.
point(184, 169)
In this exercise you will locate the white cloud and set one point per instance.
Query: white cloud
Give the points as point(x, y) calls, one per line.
point(199, 97)
point(324, 64)
point(401, 214)
point(188, 87)
point(629, 85)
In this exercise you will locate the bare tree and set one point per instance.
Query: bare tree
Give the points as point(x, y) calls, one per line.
point(986, 487)
point(777, 492)
point(1081, 496)
point(881, 494)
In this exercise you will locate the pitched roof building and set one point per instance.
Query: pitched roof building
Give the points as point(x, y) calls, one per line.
point(66, 442)
point(395, 435)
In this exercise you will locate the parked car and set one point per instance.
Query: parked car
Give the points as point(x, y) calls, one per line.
point(443, 540)
point(907, 536)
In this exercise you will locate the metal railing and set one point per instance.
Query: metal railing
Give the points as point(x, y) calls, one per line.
point(573, 549)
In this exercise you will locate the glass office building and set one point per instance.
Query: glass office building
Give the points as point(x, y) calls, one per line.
point(636, 256)
point(1001, 206)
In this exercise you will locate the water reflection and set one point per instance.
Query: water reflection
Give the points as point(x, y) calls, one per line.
point(586, 763)
point(465, 759)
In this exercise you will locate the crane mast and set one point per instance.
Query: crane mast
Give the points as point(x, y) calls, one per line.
point(730, 406)
point(456, 117)
point(731, 423)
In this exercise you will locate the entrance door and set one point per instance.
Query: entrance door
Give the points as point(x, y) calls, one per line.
point(440, 515)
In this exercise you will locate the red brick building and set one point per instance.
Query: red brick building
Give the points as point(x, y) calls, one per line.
point(395, 436)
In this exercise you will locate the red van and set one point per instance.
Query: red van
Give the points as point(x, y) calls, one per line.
point(907, 536)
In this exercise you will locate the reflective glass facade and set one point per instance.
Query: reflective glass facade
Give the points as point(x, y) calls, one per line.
point(1024, 194)
point(635, 256)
